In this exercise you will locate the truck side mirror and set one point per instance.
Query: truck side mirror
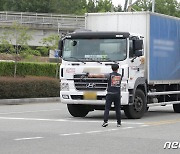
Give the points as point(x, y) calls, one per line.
point(60, 47)
point(137, 45)
point(137, 48)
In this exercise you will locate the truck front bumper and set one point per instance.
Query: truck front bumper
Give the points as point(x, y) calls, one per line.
point(68, 97)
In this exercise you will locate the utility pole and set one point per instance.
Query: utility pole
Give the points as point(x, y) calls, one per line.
point(125, 5)
point(130, 6)
point(153, 5)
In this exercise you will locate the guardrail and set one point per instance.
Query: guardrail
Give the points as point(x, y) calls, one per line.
point(52, 21)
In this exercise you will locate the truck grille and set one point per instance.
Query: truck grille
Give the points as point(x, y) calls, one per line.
point(91, 84)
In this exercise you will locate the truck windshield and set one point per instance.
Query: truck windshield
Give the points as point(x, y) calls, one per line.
point(95, 49)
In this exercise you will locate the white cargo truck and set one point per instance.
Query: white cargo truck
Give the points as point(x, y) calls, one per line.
point(145, 45)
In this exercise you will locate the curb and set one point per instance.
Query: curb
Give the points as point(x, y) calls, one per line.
point(28, 100)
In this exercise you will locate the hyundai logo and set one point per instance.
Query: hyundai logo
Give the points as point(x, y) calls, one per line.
point(90, 85)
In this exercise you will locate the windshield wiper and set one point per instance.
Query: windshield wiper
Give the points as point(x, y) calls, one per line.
point(99, 62)
point(77, 60)
point(92, 60)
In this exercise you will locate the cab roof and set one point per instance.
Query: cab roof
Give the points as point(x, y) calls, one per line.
point(97, 35)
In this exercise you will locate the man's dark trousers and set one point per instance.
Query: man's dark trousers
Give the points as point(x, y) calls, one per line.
point(116, 99)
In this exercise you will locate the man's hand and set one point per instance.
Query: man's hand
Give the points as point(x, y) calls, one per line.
point(86, 75)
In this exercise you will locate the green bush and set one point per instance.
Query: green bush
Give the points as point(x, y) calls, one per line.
point(32, 69)
point(44, 51)
point(30, 51)
point(6, 68)
point(28, 87)
point(26, 50)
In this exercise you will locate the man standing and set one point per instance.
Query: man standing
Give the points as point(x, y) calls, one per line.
point(113, 93)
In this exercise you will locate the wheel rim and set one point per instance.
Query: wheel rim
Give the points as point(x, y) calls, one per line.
point(138, 104)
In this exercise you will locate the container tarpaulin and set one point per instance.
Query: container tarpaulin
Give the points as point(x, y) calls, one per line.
point(164, 62)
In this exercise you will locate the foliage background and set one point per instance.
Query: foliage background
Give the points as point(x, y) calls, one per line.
point(79, 7)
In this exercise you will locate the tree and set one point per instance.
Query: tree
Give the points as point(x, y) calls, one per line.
point(91, 7)
point(168, 7)
point(15, 38)
point(71, 7)
point(104, 6)
point(5, 44)
point(51, 41)
point(143, 5)
point(78, 7)
point(2, 4)
point(19, 36)
point(118, 8)
point(41, 6)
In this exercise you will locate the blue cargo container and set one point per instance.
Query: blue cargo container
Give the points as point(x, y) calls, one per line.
point(161, 40)
point(164, 59)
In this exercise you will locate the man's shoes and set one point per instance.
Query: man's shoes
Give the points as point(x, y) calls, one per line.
point(105, 124)
point(118, 125)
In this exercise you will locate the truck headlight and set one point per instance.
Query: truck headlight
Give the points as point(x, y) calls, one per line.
point(123, 87)
point(64, 87)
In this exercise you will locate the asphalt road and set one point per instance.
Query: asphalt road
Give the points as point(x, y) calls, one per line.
point(50, 129)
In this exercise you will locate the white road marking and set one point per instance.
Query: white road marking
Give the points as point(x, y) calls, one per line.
point(29, 138)
point(64, 120)
point(144, 126)
point(30, 111)
point(133, 123)
point(71, 120)
point(33, 119)
point(96, 131)
point(127, 127)
point(65, 134)
point(90, 132)
point(70, 134)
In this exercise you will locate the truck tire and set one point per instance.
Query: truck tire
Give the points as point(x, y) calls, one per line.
point(77, 110)
point(139, 107)
point(176, 108)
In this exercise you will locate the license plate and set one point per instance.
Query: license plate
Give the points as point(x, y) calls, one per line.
point(90, 95)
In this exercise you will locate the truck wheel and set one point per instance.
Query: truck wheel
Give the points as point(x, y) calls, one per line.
point(176, 108)
point(77, 110)
point(139, 106)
